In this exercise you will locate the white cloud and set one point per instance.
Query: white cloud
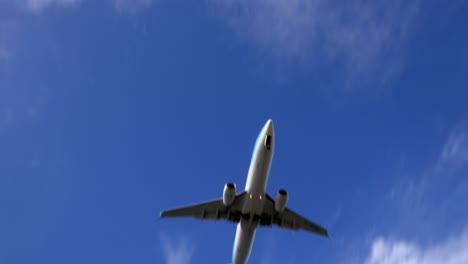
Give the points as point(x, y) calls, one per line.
point(37, 5)
point(177, 252)
point(451, 251)
point(365, 38)
point(430, 207)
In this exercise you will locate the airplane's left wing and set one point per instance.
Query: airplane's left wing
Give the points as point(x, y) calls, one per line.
point(214, 210)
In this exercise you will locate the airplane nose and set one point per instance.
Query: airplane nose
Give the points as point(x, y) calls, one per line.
point(269, 127)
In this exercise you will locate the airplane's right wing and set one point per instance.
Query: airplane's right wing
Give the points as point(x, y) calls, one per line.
point(290, 219)
point(214, 210)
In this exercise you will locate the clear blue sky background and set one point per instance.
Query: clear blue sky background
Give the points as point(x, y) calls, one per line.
point(111, 111)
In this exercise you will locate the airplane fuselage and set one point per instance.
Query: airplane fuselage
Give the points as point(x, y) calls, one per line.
point(255, 188)
point(252, 207)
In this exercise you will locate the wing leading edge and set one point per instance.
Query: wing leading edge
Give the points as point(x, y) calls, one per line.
point(290, 219)
point(214, 210)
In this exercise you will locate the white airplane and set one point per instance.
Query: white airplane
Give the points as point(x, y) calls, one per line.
point(253, 207)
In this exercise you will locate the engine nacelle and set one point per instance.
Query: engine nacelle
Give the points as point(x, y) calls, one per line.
point(229, 193)
point(281, 200)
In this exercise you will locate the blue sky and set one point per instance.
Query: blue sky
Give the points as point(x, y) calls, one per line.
point(111, 111)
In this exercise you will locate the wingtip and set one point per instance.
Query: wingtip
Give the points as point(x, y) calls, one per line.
point(161, 215)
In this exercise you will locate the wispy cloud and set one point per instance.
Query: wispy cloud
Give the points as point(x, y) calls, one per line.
point(38, 5)
point(5, 51)
point(124, 6)
point(8, 30)
point(362, 38)
point(455, 150)
point(451, 251)
point(10, 25)
point(429, 207)
point(445, 179)
point(177, 251)
point(131, 6)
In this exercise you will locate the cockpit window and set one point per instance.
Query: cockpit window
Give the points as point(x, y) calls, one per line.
point(268, 142)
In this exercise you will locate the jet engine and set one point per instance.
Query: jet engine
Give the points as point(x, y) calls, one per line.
point(281, 200)
point(229, 193)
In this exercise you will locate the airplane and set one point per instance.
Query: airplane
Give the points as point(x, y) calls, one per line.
point(252, 207)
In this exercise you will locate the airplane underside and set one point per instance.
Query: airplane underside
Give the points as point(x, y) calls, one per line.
point(253, 207)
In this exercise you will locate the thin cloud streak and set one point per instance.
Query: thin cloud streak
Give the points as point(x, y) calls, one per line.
point(38, 5)
point(455, 151)
point(122, 6)
point(177, 251)
point(446, 175)
point(363, 38)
